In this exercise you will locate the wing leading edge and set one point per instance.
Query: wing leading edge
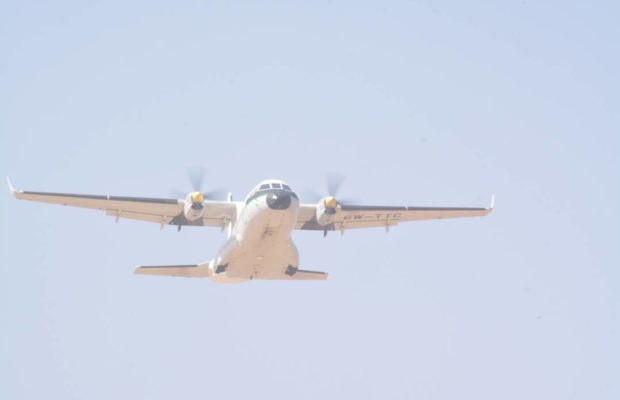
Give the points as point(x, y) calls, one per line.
point(158, 210)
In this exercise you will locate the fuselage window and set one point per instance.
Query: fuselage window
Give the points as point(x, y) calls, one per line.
point(276, 186)
point(264, 186)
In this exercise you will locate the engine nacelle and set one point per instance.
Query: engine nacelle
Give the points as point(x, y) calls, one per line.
point(194, 206)
point(326, 211)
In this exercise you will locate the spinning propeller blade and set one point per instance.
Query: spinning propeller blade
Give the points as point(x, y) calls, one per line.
point(333, 183)
point(196, 177)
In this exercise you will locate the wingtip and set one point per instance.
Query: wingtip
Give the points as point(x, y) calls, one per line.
point(11, 188)
point(490, 208)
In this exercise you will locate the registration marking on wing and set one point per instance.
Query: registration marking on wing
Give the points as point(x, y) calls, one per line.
point(366, 217)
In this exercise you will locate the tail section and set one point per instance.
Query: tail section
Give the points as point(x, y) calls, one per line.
point(205, 271)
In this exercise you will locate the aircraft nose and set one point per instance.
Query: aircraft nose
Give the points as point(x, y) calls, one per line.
point(279, 200)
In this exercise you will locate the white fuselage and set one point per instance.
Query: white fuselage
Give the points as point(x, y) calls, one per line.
point(260, 245)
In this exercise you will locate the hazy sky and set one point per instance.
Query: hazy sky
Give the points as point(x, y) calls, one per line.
point(417, 103)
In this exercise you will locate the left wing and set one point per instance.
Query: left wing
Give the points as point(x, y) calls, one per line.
point(158, 210)
point(356, 217)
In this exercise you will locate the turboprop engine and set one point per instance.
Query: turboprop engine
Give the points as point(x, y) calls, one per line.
point(326, 210)
point(194, 206)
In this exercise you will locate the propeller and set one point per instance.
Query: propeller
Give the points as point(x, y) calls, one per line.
point(196, 177)
point(333, 182)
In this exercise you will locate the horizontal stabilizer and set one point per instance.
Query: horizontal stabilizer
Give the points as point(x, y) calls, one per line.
point(302, 275)
point(188, 271)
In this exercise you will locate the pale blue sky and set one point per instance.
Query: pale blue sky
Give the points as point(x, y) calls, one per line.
point(417, 103)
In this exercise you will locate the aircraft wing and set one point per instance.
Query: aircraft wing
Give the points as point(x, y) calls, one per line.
point(158, 210)
point(356, 217)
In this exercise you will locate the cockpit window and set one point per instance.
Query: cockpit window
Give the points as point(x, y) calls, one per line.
point(264, 186)
point(287, 187)
point(276, 186)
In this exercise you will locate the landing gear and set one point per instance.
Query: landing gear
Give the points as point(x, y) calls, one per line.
point(290, 271)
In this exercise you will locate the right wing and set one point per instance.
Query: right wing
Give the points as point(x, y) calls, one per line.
point(357, 217)
point(158, 210)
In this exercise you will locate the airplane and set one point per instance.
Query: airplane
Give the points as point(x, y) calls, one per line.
point(258, 230)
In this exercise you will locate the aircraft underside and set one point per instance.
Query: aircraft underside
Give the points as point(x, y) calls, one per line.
point(261, 247)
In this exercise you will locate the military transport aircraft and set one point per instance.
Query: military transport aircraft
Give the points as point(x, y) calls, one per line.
point(258, 230)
